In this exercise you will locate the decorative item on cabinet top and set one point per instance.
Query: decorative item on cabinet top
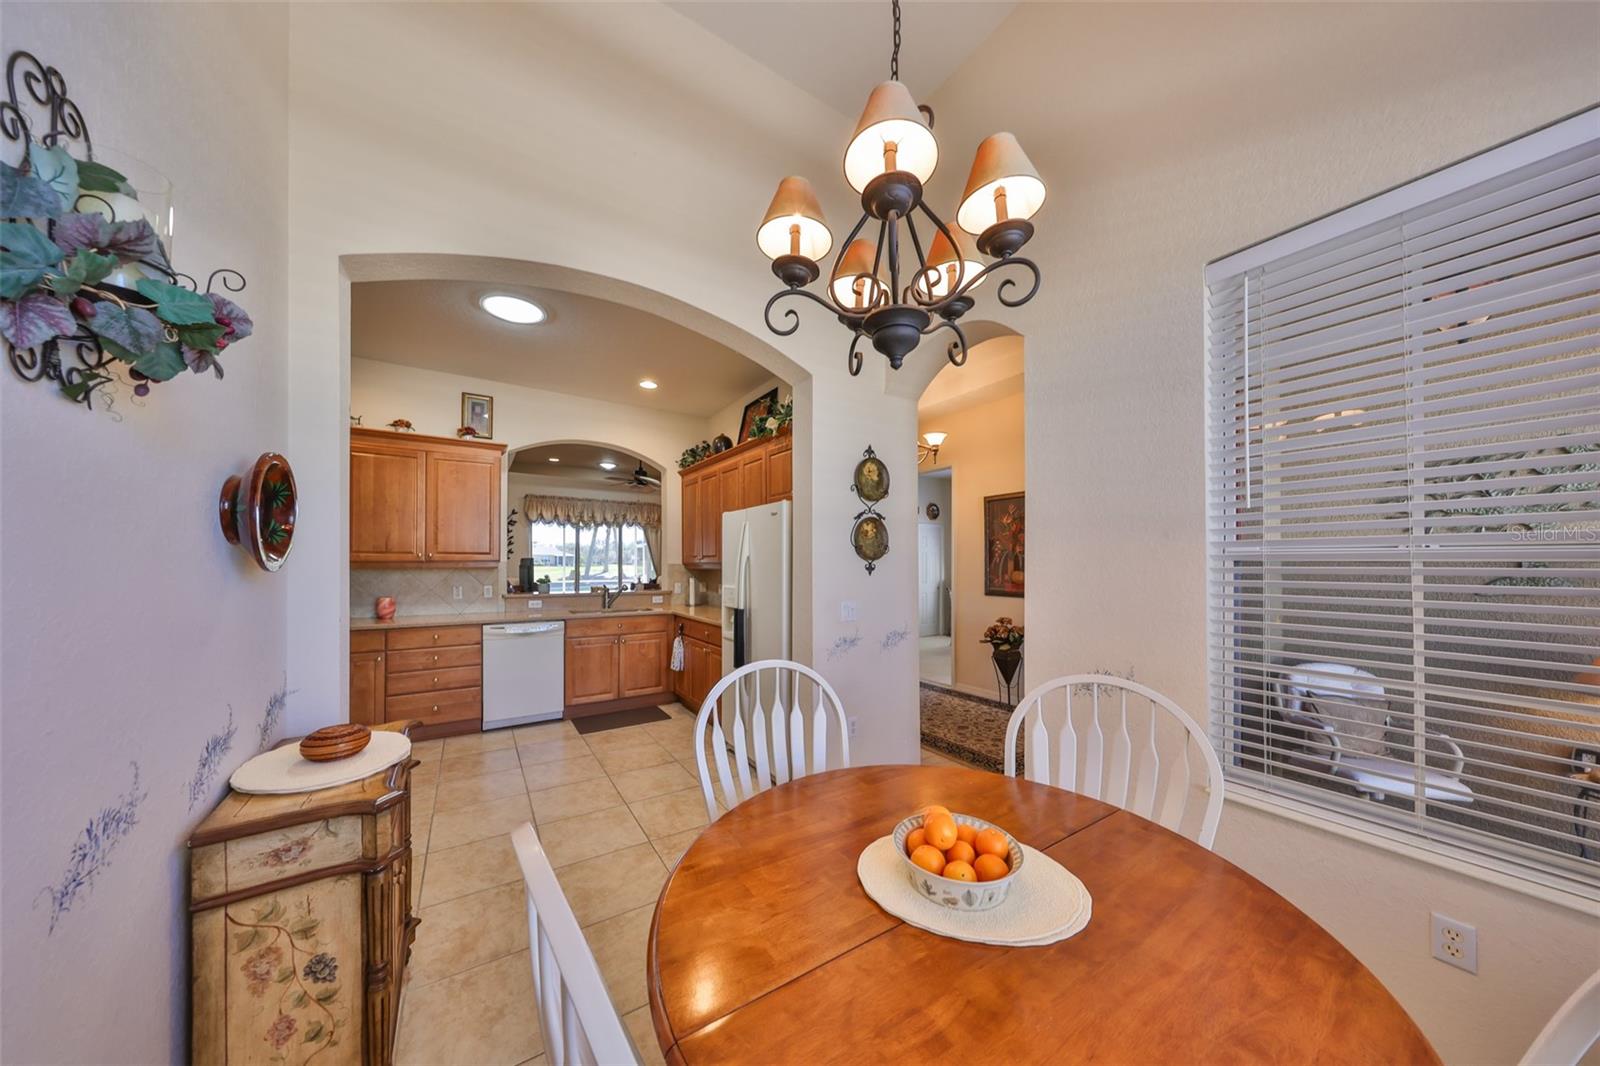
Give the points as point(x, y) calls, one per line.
point(88, 282)
point(869, 535)
point(258, 511)
point(756, 412)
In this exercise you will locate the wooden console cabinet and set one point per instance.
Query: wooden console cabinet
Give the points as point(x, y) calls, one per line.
point(301, 925)
point(431, 675)
point(613, 663)
point(746, 475)
point(424, 501)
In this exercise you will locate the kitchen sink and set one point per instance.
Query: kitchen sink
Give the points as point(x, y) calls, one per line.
point(617, 612)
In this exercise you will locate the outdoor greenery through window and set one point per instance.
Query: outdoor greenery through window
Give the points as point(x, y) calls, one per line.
point(579, 558)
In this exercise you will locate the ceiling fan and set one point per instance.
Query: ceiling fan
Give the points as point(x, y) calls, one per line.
point(639, 479)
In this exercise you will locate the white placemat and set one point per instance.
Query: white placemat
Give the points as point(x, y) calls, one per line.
point(283, 770)
point(1046, 904)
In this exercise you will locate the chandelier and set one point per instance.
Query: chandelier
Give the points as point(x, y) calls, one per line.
point(872, 292)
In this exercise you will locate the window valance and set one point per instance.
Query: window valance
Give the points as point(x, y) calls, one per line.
point(585, 513)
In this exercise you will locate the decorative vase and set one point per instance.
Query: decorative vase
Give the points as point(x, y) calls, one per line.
point(385, 608)
point(721, 443)
point(1006, 660)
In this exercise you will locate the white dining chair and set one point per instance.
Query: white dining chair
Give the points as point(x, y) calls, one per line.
point(580, 1025)
point(764, 742)
point(1571, 1031)
point(1121, 764)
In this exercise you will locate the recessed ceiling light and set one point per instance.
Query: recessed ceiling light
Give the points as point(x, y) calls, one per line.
point(648, 384)
point(513, 309)
point(607, 464)
point(553, 459)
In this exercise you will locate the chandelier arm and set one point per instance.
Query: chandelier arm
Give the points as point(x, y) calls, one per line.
point(790, 313)
point(855, 354)
point(833, 303)
point(922, 269)
point(958, 289)
point(1016, 260)
point(957, 352)
point(892, 223)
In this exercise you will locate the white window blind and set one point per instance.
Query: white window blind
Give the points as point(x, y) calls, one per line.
point(1403, 507)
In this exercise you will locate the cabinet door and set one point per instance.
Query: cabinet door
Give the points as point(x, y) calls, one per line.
point(366, 687)
point(644, 663)
point(780, 469)
point(711, 518)
point(753, 479)
point(713, 666)
point(591, 669)
point(691, 519)
point(695, 667)
point(463, 508)
point(387, 488)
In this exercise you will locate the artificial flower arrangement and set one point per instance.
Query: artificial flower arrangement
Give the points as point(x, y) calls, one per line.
point(72, 273)
point(1003, 634)
point(780, 415)
point(693, 454)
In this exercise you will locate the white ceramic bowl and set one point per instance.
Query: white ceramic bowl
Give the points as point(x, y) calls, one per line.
point(947, 892)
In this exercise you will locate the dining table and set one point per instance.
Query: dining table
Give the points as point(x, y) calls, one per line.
point(764, 947)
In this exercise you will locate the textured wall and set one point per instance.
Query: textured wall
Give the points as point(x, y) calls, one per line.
point(134, 637)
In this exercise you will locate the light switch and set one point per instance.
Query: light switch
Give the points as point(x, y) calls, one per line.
point(847, 611)
point(488, 592)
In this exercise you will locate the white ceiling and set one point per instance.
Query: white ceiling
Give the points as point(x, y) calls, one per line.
point(579, 463)
point(586, 347)
point(837, 51)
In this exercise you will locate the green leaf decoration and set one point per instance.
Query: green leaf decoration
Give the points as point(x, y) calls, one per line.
point(90, 379)
point(245, 940)
point(34, 319)
point(203, 337)
point(314, 1033)
point(163, 364)
point(276, 493)
point(97, 177)
point(57, 169)
point(327, 995)
point(176, 304)
point(25, 196)
point(85, 268)
point(131, 330)
point(25, 255)
point(285, 974)
point(274, 533)
point(134, 241)
point(298, 1000)
point(305, 927)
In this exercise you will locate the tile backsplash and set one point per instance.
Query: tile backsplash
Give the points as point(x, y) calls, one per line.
point(424, 591)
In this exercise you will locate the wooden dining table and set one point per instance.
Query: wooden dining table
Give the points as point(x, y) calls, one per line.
point(765, 949)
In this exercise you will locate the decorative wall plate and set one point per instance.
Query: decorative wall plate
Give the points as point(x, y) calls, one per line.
point(871, 479)
point(933, 512)
point(258, 511)
point(870, 538)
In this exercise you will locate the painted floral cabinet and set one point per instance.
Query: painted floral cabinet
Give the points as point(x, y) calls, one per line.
point(301, 924)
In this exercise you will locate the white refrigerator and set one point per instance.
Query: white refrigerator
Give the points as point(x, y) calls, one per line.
point(757, 567)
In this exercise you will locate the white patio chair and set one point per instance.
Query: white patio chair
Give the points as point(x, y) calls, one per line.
point(1571, 1031)
point(1313, 693)
point(764, 741)
point(1120, 767)
point(581, 1027)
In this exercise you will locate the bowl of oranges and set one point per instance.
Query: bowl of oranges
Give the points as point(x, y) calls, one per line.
point(956, 860)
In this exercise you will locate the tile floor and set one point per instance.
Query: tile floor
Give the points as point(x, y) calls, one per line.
point(614, 810)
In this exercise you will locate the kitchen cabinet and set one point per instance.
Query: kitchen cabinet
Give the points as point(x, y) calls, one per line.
point(746, 475)
point(366, 678)
point(432, 675)
point(423, 501)
point(618, 662)
point(702, 664)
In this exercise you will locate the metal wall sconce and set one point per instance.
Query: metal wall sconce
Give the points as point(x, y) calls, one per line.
point(928, 447)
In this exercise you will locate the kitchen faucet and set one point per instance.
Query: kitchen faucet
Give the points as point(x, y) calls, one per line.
point(608, 596)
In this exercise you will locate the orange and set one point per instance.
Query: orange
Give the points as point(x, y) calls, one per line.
point(965, 833)
point(990, 868)
point(992, 842)
point(940, 830)
point(960, 871)
point(932, 809)
point(960, 851)
point(915, 839)
point(929, 858)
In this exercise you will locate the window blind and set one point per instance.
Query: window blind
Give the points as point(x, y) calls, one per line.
point(1403, 507)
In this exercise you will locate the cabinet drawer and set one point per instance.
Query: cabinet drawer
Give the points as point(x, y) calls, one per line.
point(366, 640)
point(431, 707)
point(440, 637)
point(611, 627)
point(435, 658)
point(701, 631)
point(432, 680)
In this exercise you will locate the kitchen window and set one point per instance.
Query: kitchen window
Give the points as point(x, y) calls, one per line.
point(578, 558)
point(1403, 509)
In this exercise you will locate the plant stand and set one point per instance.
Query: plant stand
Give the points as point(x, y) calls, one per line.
point(1007, 664)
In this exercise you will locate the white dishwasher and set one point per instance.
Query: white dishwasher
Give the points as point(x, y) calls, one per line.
point(524, 673)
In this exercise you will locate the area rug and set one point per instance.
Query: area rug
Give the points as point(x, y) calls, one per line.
point(965, 727)
point(599, 723)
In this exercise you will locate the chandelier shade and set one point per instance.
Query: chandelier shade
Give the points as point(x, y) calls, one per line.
point(950, 266)
point(892, 135)
point(854, 284)
point(794, 223)
point(1002, 186)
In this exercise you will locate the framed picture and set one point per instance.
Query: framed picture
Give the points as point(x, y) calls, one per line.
point(477, 413)
point(1004, 519)
point(756, 409)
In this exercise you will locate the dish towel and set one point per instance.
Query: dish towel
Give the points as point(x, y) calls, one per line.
point(677, 654)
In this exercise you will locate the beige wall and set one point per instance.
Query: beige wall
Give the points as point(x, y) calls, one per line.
point(727, 420)
point(984, 453)
point(133, 634)
point(1171, 135)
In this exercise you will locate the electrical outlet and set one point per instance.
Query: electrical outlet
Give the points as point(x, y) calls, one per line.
point(658, 599)
point(677, 588)
point(1586, 758)
point(851, 722)
point(488, 592)
point(457, 590)
point(1455, 943)
point(535, 605)
point(847, 611)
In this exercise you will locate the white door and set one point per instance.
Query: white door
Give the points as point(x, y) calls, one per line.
point(930, 578)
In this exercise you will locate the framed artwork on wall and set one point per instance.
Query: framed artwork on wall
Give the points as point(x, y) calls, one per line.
point(1004, 521)
point(477, 414)
point(757, 409)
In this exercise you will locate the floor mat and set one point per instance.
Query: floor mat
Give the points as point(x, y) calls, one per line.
point(599, 723)
point(967, 727)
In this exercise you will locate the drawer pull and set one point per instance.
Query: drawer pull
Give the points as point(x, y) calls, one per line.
point(436, 681)
point(436, 706)
point(436, 636)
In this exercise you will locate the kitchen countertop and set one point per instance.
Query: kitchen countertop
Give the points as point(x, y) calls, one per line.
point(708, 615)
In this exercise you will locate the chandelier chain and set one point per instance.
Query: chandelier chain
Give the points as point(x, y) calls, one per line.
point(894, 57)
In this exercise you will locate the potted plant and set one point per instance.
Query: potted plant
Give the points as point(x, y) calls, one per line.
point(1005, 638)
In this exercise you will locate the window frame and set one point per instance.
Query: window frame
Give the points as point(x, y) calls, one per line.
point(616, 577)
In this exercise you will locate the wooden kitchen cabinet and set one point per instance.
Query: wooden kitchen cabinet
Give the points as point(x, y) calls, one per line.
point(615, 663)
point(592, 669)
point(746, 475)
point(423, 501)
point(429, 675)
point(644, 658)
point(366, 682)
point(702, 663)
